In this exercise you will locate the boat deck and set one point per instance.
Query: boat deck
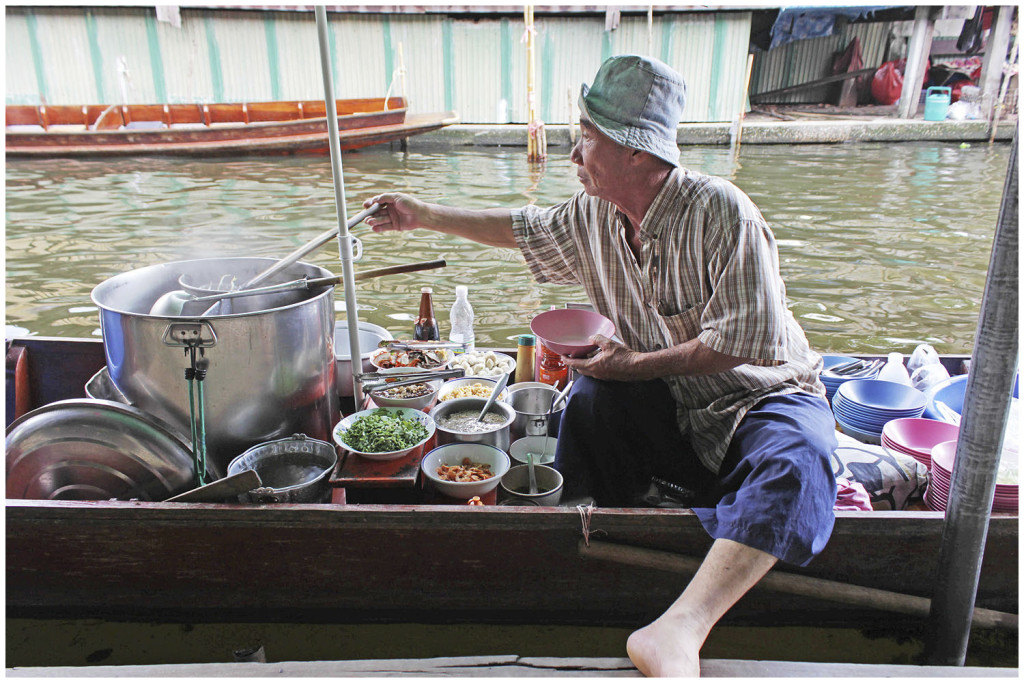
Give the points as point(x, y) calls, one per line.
point(513, 666)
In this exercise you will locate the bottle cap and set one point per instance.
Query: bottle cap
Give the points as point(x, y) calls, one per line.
point(427, 290)
point(526, 340)
point(461, 290)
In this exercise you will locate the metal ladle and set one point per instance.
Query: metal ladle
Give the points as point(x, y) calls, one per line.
point(498, 388)
point(174, 302)
point(559, 396)
point(186, 304)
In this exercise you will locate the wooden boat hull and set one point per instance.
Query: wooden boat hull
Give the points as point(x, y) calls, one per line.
point(356, 563)
point(227, 132)
point(387, 562)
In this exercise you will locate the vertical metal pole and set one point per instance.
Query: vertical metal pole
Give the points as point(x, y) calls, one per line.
point(344, 240)
point(980, 442)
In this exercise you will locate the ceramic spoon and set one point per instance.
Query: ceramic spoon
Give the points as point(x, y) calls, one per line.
point(533, 473)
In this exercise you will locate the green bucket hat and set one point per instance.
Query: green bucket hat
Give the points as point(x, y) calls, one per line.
point(637, 102)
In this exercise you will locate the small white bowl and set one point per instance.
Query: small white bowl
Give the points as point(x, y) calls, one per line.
point(549, 484)
point(454, 454)
point(451, 385)
point(541, 445)
point(409, 413)
point(414, 402)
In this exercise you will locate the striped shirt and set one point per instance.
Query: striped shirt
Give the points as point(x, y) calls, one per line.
point(708, 269)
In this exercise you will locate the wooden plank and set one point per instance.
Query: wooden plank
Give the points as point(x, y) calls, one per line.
point(195, 561)
point(509, 666)
point(22, 115)
point(18, 383)
point(784, 582)
point(358, 472)
point(147, 112)
point(59, 368)
point(757, 97)
point(66, 114)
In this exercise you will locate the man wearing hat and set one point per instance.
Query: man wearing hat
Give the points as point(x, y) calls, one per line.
point(711, 399)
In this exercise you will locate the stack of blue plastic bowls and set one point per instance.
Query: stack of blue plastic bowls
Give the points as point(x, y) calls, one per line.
point(831, 381)
point(863, 406)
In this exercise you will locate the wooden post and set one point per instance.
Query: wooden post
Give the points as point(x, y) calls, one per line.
point(650, 30)
point(980, 444)
point(536, 141)
point(743, 103)
point(995, 58)
point(917, 57)
point(401, 72)
point(792, 584)
point(572, 116)
point(997, 111)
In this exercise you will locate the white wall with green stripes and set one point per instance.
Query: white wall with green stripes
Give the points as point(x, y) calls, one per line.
point(475, 65)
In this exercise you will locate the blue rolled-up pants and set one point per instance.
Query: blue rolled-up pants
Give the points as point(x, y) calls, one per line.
point(775, 490)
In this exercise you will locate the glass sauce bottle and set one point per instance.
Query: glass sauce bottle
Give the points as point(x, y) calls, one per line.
point(426, 328)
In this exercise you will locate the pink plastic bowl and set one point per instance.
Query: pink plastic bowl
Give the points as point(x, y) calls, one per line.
point(567, 331)
point(919, 434)
point(943, 455)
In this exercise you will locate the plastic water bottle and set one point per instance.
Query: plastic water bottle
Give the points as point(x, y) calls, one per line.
point(894, 370)
point(461, 319)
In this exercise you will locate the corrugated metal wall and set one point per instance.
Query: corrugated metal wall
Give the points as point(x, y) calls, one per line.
point(475, 66)
point(802, 61)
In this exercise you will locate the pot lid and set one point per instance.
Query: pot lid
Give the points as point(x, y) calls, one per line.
point(92, 449)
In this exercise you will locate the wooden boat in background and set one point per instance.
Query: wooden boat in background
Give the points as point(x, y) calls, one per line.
point(226, 129)
point(398, 558)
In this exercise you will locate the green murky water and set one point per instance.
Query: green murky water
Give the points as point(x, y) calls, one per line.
point(882, 246)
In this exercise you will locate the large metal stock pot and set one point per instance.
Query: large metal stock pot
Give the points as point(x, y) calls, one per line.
point(271, 357)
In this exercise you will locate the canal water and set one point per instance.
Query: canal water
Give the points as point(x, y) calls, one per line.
point(882, 246)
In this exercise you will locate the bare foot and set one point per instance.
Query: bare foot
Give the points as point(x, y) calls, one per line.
point(664, 648)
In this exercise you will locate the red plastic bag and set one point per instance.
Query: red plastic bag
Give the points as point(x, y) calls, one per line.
point(887, 84)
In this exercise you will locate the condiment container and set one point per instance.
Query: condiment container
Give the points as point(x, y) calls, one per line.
point(426, 328)
point(525, 370)
point(552, 369)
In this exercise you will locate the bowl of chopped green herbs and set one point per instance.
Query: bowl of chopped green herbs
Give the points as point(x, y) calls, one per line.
point(384, 433)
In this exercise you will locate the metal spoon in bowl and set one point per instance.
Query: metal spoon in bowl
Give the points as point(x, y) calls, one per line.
point(559, 396)
point(498, 388)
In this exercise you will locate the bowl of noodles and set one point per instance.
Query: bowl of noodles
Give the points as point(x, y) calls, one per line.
point(465, 387)
point(464, 470)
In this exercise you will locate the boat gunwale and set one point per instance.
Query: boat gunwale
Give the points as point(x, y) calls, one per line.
point(244, 110)
point(392, 515)
point(225, 126)
point(304, 142)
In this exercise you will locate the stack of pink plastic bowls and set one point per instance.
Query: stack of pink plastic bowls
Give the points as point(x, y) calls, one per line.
point(917, 436)
point(936, 496)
